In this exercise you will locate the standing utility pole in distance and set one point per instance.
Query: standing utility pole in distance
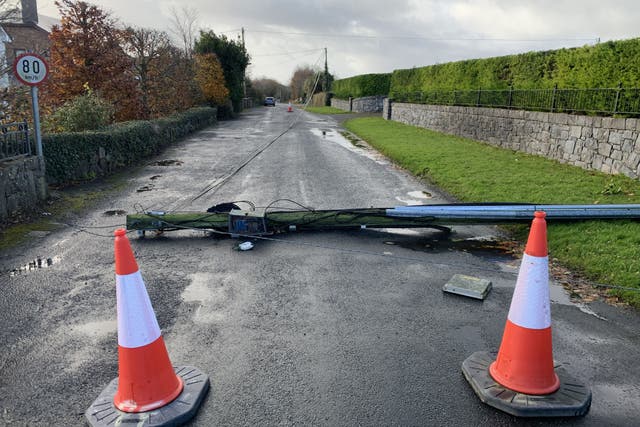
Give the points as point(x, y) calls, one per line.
point(244, 84)
point(325, 86)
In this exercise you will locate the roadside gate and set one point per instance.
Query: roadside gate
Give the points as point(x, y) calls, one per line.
point(14, 140)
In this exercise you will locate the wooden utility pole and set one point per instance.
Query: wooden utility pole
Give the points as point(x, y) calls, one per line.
point(244, 83)
point(325, 86)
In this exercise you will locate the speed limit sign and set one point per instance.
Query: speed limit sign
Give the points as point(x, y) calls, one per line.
point(30, 68)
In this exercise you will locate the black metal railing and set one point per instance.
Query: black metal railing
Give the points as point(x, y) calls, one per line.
point(599, 101)
point(14, 140)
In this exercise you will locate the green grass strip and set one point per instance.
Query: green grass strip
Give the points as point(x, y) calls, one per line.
point(604, 251)
point(326, 110)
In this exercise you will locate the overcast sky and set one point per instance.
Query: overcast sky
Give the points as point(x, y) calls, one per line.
point(378, 36)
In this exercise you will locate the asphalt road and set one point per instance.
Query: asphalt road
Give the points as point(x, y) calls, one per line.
point(335, 328)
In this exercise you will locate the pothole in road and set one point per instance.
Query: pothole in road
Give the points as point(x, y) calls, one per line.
point(169, 162)
point(115, 212)
point(36, 264)
point(147, 187)
point(154, 177)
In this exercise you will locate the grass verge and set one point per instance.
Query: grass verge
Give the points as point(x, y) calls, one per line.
point(602, 251)
point(326, 110)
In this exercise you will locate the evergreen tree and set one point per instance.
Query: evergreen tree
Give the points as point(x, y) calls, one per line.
point(233, 58)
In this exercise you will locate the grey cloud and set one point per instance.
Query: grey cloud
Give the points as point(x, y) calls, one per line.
point(432, 20)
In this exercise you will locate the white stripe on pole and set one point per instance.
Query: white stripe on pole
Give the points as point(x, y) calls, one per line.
point(137, 324)
point(530, 306)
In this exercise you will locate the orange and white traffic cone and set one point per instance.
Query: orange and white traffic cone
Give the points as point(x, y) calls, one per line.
point(525, 358)
point(289, 108)
point(524, 366)
point(146, 379)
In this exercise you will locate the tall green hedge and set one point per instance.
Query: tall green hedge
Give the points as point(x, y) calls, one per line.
point(362, 85)
point(604, 65)
point(77, 156)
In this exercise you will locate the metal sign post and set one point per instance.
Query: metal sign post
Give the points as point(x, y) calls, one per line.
point(31, 69)
point(36, 119)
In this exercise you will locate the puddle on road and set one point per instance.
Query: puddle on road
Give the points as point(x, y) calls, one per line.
point(500, 252)
point(36, 264)
point(333, 136)
point(357, 142)
point(115, 212)
point(492, 250)
point(420, 194)
point(401, 232)
point(168, 162)
point(417, 198)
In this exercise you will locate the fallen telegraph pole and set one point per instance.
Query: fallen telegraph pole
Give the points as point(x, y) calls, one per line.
point(257, 221)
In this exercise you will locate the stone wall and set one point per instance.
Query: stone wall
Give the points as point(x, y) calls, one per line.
point(343, 104)
point(367, 104)
point(22, 186)
point(606, 144)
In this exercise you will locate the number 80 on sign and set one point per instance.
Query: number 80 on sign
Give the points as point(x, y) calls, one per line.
point(30, 68)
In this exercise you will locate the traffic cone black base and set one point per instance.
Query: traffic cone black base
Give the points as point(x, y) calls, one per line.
point(103, 412)
point(572, 399)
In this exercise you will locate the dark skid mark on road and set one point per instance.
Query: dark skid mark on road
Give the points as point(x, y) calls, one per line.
point(115, 212)
point(36, 264)
point(489, 249)
point(169, 162)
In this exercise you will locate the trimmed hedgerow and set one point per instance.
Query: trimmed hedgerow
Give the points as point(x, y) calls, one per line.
point(362, 85)
point(78, 156)
point(604, 65)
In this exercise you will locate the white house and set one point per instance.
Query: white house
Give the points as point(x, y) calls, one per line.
point(5, 68)
point(29, 34)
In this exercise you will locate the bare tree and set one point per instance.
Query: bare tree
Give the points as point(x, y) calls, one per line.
point(297, 84)
point(184, 26)
point(147, 47)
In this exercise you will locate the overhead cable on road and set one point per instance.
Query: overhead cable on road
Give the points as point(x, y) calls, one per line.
point(213, 187)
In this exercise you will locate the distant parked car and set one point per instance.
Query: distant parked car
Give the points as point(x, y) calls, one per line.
point(269, 101)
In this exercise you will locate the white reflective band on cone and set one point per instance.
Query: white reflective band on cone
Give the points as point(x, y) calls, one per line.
point(530, 306)
point(137, 324)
